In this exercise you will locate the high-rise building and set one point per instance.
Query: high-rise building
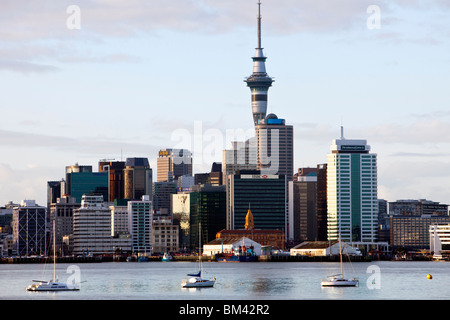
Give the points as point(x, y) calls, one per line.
point(207, 210)
point(115, 178)
point(275, 147)
point(88, 183)
point(138, 178)
point(92, 227)
point(321, 202)
point(69, 171)
point(173, 163)
point(61, 212)
point(259, 82)
point(303, 199)
point(140, 218)
point(266, 195)
point(352, 191)
point(241, 156)
point(29, 229)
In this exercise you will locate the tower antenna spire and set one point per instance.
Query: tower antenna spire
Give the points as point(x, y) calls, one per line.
point(259, 23)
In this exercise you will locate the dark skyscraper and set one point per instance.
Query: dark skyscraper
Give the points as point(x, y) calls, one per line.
point(259, 82)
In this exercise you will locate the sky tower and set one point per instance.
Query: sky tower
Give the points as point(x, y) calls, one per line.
point(259, 82)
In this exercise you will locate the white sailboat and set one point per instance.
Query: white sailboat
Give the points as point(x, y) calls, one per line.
point(338, 280)
point(195, 280)
point(54, 284)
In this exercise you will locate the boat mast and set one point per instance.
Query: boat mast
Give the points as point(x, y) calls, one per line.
point(54, 251)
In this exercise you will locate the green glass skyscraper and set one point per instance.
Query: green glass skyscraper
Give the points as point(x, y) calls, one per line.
point(352, 191)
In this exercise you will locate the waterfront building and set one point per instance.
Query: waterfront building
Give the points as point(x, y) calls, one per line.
point(207, 208)
point(173, 163)
point(29, 229)
point(119, 218)
point(62, 213)
point(440, 239)
point(352, 201)
point(115, 178)
point(165, 235)
point(181, 211)
point(231, 245)
point(259, 82)
point(92, 229)
point(412, 231)
point(140, 219)
point(138, 178)
point(265, 194)
point(265, 237)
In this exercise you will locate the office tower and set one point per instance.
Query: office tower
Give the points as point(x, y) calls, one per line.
point(303, 196)
point(162, 194)
point(119, 216)
point(215, 177)
point(54, 191)
point(181, 211)
point(173, 163)
point(69, 171)
point(275, 147)
point(352, 191)
point(165, 235)
point(207, 209)
point(92, 227)
point(88, 183)
point(140, 218)
point(259, 82)
point(138, 178)
point(322, 202)
point(115, 178)
point(241, 156)
point(29, 229)
point(62, 213)
point(266, 195)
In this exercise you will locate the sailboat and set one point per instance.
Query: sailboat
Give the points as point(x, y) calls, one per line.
point(195, 280)
point(54, 284)
point(338, 280)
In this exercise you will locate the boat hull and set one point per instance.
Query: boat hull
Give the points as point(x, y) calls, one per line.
point(339, 283)
point(52, 286)
point(237, 259)
point(198, 283)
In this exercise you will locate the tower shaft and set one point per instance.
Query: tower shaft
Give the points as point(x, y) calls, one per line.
point(259, 82)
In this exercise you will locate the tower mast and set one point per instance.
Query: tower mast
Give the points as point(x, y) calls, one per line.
point(259, 82)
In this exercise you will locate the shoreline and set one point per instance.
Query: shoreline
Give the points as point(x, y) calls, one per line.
point(193, 258)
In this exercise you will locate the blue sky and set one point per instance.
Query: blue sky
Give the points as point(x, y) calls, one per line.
point(138, 72)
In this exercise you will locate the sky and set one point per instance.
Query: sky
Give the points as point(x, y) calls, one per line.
point(87, 80)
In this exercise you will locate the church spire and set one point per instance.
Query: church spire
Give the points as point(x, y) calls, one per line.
point(249, 223)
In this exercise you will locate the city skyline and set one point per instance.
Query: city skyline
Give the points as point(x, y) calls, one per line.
point(137, 72)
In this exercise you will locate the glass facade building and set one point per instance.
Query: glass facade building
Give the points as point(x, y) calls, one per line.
point(265, 195)
point(352, 191)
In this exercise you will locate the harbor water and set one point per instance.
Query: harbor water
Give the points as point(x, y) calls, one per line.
point(378, 280)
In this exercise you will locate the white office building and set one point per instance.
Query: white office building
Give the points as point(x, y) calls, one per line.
point(140, 216)
point(352, 191)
